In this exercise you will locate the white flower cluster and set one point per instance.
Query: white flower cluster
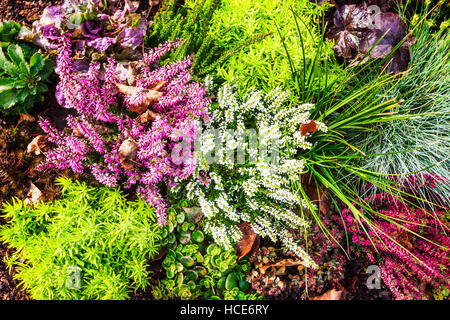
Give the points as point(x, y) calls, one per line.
point(259, 189)
point(209, 82)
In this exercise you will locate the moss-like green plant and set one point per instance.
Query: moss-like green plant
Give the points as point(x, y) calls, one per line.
point(195, 267)
point(90, 244)
point(233, 39)
point(265, 64)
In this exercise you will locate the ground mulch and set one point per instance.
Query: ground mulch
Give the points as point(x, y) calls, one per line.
point(9, 288)
point(356, 282)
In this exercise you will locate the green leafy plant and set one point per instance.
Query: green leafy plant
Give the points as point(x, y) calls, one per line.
point(8, 32)
point(23, 78)
point(195, 267)
point(189, 21)
point(90, 244)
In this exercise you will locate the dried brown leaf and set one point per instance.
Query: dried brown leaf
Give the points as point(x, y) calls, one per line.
point(154, 3)
point(283, 263)
point(25, 117)
point(149, 116)
point(37, 145)
point(139, 99)
point(127, 153)
point(248, 240)
point(34, 194)
point(332, 294)
point(309, 127)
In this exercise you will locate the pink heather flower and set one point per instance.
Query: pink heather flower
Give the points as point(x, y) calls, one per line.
point(98, 130)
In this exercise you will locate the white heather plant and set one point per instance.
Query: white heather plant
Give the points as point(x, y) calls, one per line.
point(249, 159)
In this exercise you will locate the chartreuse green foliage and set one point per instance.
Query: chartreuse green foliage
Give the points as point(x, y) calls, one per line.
point(191, 21)
point(90, 244)
point(237, 39)
point(195, 267)
point(24, 76)
point(265, 64)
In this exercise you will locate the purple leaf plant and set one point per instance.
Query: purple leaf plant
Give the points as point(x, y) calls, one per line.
point(360, 32)
point(92, 26)
point(115, 147)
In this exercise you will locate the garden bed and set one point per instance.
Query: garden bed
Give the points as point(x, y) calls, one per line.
point(232, 150)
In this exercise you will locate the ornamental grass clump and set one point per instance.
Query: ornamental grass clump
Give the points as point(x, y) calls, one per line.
point(256, 186)
point(409, 244)
point(421, 143)
point(117, 146)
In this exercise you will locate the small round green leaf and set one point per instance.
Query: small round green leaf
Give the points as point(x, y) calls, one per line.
point(184, 237)
point(187, 261)
point(198, 236)
point(244, 285)
point(180, 218)
point(231, 281)
point(201, 271)
point(191, 275)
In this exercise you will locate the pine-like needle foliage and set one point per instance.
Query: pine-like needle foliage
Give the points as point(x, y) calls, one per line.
point(90, 244)
point(189, 21)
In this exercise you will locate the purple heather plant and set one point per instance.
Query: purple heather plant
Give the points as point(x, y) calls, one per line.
point(95, 137)
point(407, 259)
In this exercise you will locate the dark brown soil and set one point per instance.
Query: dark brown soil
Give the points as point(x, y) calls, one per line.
point(356, 283)
point(9, 288)
point(24, 11)
point(16, 173)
